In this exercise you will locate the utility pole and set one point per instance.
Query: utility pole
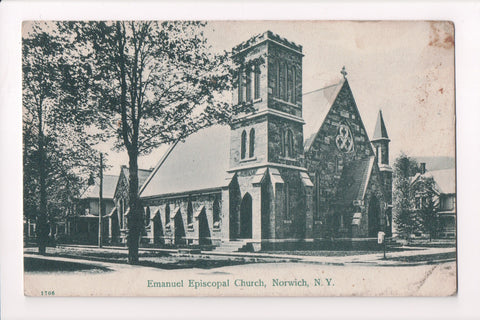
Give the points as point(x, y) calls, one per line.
point(385, 240)
point(100, 201)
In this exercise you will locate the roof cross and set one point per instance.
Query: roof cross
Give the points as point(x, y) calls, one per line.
point(344, 73)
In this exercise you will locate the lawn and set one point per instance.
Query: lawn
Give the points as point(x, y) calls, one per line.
point(429, 257)
point(333, 253)
point(44, 265)
point(157, 259)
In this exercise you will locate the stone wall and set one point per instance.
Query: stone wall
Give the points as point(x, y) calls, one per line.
point(325, 161)
point(256, 56)
point(259, 124)
point(198, 202)
point(293, 225)
point(277, 99)
point(277, 127)
point(375, 188)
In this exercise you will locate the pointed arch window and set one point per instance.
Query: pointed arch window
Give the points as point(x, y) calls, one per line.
point(167, 214)
point(281, 80)
point(248, 85)
point(124, 218)
point(147, 216)
point(277, 79)
point(385, 155)
point(274, 78)
point(251, 146)
point(288, 144)
point(289, 85)
point(287, 201)
point(256, 81)
point(243, 147)
point(189, 213)
point(294, 85)
point(216, 211)
point(120, 206)
point(240, 86)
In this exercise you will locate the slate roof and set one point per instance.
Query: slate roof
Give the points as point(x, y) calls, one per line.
point(354, 180)
point(445, 179)
point(316, 105)
point(143, 174)
point(109, 185)
point(380, 129)
point(200, 162)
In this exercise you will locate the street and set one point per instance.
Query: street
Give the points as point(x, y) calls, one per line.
point(312, 276)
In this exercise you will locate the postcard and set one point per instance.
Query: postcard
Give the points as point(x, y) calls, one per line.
point(239, 158)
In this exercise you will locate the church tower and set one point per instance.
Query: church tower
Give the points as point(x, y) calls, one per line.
point(266, 146)
point(269, 82)
point(381, 143)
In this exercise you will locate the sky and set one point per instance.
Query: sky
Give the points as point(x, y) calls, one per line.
point(405, 69)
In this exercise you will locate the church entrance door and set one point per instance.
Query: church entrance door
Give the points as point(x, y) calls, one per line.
point(373, 217)
point(246, 217)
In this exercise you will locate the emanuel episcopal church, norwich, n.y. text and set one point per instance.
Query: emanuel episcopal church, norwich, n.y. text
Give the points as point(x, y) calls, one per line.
point(300, 170)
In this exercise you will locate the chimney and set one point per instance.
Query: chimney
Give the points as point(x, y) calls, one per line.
point(422, 167)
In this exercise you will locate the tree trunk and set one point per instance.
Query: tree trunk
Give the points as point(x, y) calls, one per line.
point(134, 217)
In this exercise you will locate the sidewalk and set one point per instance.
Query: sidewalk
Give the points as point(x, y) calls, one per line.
point(373, 259)
point(365, 259)
point(377, 259)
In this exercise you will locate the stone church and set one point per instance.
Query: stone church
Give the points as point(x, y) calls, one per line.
point(296, 172)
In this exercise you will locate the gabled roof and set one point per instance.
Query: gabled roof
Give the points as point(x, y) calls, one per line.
point(200, 162)
point(109, 185)
point(316, 105)
point(444, 179)
point(354, 180)
point(380, 129)
point(142, 175)
point(437, 162)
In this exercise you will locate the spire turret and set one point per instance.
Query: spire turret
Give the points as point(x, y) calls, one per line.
point(381, 141)
point(380, 132)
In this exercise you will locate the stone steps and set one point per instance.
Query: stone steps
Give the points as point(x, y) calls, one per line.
point(231, 246)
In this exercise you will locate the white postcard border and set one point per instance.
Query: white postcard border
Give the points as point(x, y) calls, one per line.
point(466, 17)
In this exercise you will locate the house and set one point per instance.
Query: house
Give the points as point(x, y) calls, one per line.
point(117, 216)
point(83, 226)
point(444, 198)
point(447, 211)
point(299, 169)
